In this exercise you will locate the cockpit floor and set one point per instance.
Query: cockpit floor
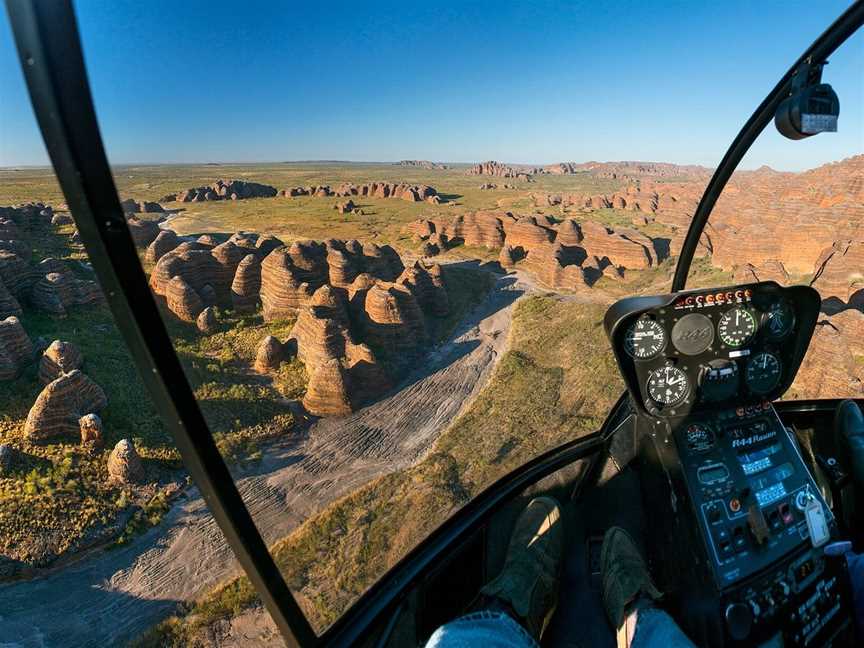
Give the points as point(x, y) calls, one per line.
point(615, 500)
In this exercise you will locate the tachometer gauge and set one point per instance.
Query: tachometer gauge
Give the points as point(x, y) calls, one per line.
point(779, 320)
point(736, 326)
point(700, 437)
point(719, 380)
point(645, 338)
point(668, 385)
point(763, 373)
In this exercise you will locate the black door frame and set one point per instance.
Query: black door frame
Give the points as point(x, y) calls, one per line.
point(49, 49)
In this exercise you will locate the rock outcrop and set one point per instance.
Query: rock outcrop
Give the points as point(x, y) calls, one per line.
point(408, 192)
point(59, 358)
point(90, 427)
point(61, 404)
point(423, 164)
point(499, 169)
point(223, 190)
point(206, 322)
point(269, 354)
point(124, 464)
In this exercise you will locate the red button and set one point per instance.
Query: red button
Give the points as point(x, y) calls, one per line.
point(734, 505)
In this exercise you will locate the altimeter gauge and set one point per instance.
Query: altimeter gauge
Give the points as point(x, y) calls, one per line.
point(668, 385)
point(763, 373)
point(736, 326)
point(644, 339)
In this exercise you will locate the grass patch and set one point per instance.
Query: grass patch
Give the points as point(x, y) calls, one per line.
point(549, 387)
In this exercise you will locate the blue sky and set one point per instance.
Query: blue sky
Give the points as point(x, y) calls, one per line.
point(531, 82)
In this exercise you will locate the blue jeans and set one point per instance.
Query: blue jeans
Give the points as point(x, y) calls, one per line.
point(497, 630)
point(654, 627)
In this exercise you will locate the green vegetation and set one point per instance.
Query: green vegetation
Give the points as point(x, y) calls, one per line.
point(549, 387)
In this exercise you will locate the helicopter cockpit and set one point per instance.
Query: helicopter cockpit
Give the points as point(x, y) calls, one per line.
point(721, 458)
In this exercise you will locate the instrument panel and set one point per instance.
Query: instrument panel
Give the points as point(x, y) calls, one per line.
point(700, 349)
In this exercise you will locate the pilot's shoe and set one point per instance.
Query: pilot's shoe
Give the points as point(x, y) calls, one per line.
point(849, 440)
point(625, 577)
point(528, 583)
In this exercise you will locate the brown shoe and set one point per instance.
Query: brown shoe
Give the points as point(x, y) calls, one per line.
point(624, 573)
point(528, 583)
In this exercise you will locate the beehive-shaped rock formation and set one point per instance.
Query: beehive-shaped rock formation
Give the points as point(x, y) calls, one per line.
point(328, 392)
point(559, 267)
point(246, 286)
point(143, 232)
point(344, 265)
point(124, 464)
point(59, 358)
point(8, 304)
point(183, 300)
point(839, 275)
point(61, 404)
point(526, 233)
point(266, 244)
point(382, 262)
point(283, 293)
point(16, 273)
point(166, 241)
point(58, 291)
point(16, 349)
point(427, 288)
point(393, 320)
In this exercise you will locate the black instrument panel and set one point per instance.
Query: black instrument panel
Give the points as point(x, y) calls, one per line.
point(697, 350)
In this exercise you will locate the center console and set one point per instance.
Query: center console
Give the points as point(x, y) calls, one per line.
point(739, 526)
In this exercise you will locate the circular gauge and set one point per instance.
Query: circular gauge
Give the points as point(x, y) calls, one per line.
point(763, 373)
point(644, 339)
point(736, 326)
point(693, 334)
point(700, 437)
point(779, 320)
point(719, 380)
point(667, 385)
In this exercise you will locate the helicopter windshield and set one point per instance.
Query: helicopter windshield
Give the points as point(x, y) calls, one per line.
point(792, 213)
point(381, 244)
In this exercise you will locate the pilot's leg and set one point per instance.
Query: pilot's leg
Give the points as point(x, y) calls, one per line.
point(513, 609)
point(629, 596)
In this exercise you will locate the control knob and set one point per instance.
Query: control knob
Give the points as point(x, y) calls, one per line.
point(739, 620)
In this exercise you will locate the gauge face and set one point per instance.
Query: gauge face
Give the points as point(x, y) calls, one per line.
point(763, 373)
point(700, 437)
point(779, 320)
point(644, 339)
point(719, 380)
point(667, 385)
point(736, 326)
point(693, 334)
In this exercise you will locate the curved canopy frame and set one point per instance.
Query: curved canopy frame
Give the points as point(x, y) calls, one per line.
point(823, 47)
point(49, 49)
